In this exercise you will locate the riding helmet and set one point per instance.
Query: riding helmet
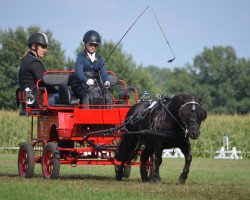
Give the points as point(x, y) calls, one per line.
point(38, 38)
point(92, 37)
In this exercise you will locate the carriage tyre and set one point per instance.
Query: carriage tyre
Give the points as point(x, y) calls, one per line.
point(50, 161)
point(26, 160)
point(146, 169)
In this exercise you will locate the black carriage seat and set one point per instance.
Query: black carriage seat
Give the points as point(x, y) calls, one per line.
point(63, 81)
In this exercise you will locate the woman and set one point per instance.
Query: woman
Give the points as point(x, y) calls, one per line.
point(89, 67)
point(32, 68)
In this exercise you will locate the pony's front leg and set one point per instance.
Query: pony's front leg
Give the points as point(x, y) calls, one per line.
point(186, 150)
point(147, 164)
point(119, 171)
point(157, 162)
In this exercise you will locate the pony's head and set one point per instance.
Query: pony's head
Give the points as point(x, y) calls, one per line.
point(192, 114)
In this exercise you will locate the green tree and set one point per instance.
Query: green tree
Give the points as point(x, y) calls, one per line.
point(13, 44)
point(160, 79)
point(222, 78)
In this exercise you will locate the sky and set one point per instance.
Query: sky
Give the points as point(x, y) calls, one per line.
point(189, 26)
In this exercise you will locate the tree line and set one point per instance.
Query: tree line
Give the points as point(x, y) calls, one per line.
point(217, 74)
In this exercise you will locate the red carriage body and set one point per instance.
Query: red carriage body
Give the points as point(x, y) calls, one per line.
point(70, 133)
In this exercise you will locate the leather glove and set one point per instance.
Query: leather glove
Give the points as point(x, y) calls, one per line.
point(107, 84)
point(90, 82)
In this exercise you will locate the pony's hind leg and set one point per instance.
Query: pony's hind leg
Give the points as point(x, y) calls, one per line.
point(186, 150)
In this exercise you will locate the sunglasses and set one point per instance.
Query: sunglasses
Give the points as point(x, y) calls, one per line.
point(93, 44)
point(43, 46)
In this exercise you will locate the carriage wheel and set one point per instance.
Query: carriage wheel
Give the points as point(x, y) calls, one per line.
point(146, 169)
point(26, 160)
point(50, 161)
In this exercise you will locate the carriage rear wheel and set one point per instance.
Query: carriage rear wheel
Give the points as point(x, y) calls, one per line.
point(50, 161)
point(26, 160)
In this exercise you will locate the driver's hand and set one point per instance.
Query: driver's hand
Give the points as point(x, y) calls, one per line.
point(107, 84)
point(90, 82)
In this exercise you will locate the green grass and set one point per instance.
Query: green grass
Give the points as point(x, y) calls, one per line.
point(208, 179)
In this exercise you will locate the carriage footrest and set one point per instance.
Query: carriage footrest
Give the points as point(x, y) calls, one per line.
point(33, 112)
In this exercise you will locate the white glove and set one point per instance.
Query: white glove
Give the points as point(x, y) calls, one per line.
point(107, 84)
point(90, 82)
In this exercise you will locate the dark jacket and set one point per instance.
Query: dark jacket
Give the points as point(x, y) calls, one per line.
point(84, 64)
point(31, 70)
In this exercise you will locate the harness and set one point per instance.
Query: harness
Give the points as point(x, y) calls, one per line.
point(137, 118)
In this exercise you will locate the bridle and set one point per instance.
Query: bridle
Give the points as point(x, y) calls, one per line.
point(184, 128)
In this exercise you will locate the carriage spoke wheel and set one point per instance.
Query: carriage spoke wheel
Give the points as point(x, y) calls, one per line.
point(26, 160)
point(50, 161)
point(149, 166)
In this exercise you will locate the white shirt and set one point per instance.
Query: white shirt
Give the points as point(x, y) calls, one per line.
point(91, 56)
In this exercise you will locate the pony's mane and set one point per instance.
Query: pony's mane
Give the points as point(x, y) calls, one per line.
point(178, 100)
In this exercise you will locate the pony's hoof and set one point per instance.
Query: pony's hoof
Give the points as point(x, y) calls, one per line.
point(157, 180)
point(145, 180)
point(118, 177)
point(181, 181)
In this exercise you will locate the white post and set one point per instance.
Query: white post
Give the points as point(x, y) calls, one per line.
point(226, 141)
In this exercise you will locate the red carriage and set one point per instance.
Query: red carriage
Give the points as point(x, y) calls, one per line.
point(70, 133)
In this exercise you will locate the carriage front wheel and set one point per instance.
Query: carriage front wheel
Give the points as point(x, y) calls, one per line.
point(50, 161)
point(26, 160)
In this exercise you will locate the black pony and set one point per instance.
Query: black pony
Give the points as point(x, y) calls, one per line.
point(164, 124)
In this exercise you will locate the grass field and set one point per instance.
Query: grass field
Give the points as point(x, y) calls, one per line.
point(208, 179)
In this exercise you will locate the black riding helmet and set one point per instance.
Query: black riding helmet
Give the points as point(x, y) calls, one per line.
point(38, 38)
point(92, 37)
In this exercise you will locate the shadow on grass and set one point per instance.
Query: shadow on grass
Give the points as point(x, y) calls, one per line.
point(66, 177)
point(86, 177)
point(9, 175)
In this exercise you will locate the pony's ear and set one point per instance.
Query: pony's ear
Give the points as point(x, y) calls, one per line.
point(182, 97)
point(199, 99)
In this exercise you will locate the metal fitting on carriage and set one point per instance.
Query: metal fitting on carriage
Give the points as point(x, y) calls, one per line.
point(29, 97)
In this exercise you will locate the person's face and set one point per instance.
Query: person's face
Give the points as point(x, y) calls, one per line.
point(40, 50)
point(91, 47)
